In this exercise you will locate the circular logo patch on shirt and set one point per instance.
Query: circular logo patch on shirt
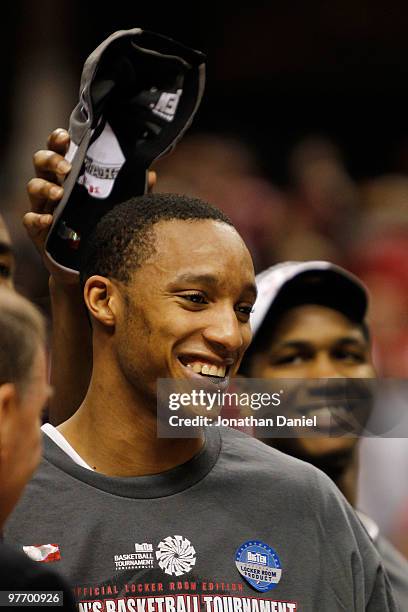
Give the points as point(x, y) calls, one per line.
point(176, 555)
point(259, 564)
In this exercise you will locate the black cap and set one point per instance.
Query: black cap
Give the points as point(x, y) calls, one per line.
point(294, 283)
point(138, 95)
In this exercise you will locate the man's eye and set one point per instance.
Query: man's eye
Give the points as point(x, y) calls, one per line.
point(196, 298)
point(354, 357)
point(243, 312)
point(5, 271)
point(246, 309)
point(288, 360)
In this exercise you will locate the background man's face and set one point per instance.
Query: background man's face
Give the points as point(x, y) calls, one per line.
point(6, 256)
point(21, 435)
point(186, 310)
point(310, 342)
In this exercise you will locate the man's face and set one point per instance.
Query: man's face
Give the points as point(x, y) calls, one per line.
point(7, 263)
point(21, 436)
point(186, 310)
point(311, 342)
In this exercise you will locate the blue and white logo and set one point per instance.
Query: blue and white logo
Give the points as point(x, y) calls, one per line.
point(259, 564)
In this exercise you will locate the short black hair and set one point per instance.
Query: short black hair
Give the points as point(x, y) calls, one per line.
point(123, 239)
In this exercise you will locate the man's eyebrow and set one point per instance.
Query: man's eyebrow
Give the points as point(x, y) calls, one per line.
point(295, 344)
point(208, 279)
point(252, 288)
point(301, 344)
point(351, 340)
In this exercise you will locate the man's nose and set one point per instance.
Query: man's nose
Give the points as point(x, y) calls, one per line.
point(323, 366)
point(224, 330)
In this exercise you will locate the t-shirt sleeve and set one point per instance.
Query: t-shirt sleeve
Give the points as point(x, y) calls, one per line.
point(381, 596)
point(361, 581)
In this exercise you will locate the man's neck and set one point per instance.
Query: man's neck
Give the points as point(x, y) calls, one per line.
point(342, 468)
point(116, 434)
point(347, 480)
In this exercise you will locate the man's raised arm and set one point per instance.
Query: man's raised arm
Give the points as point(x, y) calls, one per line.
point(71, 334)
point(71, 360)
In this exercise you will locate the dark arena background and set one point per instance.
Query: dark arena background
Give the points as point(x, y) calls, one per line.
point(302, 138)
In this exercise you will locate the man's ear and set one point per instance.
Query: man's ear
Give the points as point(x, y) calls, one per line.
point(9, 404)
point(151, 180)
point(101, 299)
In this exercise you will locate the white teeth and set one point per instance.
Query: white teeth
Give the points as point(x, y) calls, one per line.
point(207, 369)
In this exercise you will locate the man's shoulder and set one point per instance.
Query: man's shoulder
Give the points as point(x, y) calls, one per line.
point(51, 472)
point(395, 564)
point(267, 462)
point(257, 452)
point(287, 487)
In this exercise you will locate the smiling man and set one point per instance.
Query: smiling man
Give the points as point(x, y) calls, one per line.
point(175, 525)
point(310, 324)
point(161, 307)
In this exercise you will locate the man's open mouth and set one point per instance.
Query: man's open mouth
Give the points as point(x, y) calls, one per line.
point(216, 372)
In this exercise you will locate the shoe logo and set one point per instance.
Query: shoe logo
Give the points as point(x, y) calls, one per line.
point(44, 553)
point(167, 104)
point(176, 555)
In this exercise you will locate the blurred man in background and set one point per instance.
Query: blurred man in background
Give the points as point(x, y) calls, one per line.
point(309, 323)
point(24, 391)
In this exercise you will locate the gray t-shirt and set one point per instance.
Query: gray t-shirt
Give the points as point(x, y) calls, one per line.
point(396, 567)
point(394, 563)
point(212, 535)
